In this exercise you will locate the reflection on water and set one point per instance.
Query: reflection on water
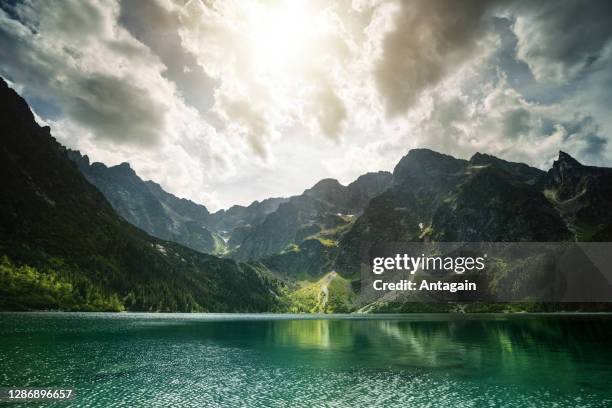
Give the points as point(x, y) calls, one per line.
point(300, 333)
point(418, 360)
point(519, 349)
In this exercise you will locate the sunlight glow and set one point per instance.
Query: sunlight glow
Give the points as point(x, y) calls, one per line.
point(281, 35)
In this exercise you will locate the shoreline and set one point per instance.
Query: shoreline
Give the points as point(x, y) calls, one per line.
point(304, 316)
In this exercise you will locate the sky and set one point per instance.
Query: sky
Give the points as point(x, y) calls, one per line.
point(226, 102)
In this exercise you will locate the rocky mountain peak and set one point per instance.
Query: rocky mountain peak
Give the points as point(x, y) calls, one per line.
point(326, 190)
point(565, 171)
point(565, 161)
point(521, 171)
point(424, 165)
point(124, 169)
point(78, 158)
point(372, 177)
point(326, 185)
point(373, 180)
point(582, 192)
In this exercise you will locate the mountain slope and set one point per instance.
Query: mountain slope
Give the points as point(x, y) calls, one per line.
point(583, 196)
point(238, 216)
point(494, 205)
point(146, 205)
point(441, 198)
point(62, 246)
point(326, 205)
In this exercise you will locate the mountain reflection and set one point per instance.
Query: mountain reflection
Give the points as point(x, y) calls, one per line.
point(521, 348)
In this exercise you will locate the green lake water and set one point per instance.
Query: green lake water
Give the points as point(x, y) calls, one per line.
point(164, 360)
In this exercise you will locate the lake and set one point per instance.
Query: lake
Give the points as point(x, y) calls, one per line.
point(163, 360)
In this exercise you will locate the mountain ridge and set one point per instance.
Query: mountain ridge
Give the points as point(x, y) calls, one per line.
point(146, 205)
point(62, 246)
point(72, 233)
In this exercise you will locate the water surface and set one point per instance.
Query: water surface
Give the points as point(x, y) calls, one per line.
point(268, 361)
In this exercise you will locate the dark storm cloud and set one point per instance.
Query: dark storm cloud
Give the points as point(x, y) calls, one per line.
point(112, 107)
point(558, 40)
point(429, 40)
point(561, 39)
point(157, 28)
point(115, 109)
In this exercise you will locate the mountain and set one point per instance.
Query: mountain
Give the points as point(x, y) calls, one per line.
point(440, 198)
point(325, 207)
point(495, 204)
point(352, 198)
point(583, 196)
point(146, 205)
point(262, 229)
point(259, 230)
point(232, 224)
point(74, 234)
point(311, 259)
point(63, 246)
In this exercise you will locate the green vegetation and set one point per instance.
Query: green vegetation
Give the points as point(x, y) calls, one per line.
point(28, 288)
point(183, 281)
point(330, 294)
point(306, 299)
point(326, 242)
point(290, 248)
point(341, 297)
point(585, 232)
point(220, 247)
point(334, 233)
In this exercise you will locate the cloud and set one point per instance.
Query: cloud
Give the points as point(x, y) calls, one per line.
point(279, 66)
point(516, 123)
point(503, 123)
point(156, 24)
point(116, 110)
point(229, 101)
point(107, 94)
point(567, 46)
point(245, 121)
point(92, 71)
point(330, 112)
point(427, 41)
point(561, 40)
